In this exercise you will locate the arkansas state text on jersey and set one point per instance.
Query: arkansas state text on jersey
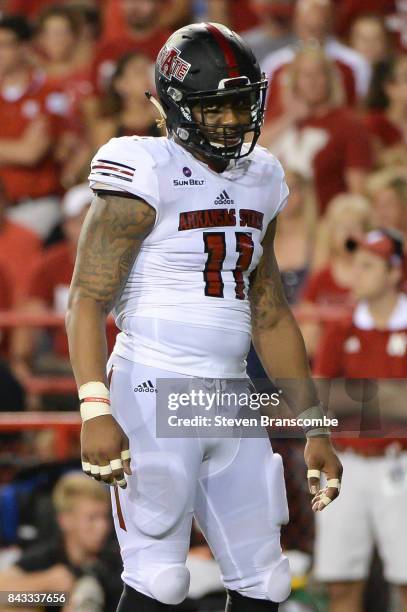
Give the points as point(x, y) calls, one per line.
point(194, 267)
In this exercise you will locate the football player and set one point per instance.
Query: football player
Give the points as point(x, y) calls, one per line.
point(177, 227)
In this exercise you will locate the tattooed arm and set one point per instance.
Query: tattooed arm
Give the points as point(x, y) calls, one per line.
point(109, 243)
point(280, 347)
point(276, 335)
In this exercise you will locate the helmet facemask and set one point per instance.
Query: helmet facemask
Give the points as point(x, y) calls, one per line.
point(197, 123)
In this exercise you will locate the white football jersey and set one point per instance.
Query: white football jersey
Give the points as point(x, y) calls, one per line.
point(193, 268)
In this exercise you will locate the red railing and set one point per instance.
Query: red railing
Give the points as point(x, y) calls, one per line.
point(64, 424)
point(42, 385)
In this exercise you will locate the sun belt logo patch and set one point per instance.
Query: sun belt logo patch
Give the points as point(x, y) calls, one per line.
point(170, 64)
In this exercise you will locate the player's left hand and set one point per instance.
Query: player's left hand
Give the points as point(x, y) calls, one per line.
point(320, 457)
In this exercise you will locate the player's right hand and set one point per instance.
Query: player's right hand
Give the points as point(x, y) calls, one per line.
point(105, 450)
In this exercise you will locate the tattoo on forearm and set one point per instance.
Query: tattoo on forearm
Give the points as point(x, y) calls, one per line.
point(110, 241)
point(267, 297)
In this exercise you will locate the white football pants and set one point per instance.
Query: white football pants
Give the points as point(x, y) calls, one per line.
point(234, 488)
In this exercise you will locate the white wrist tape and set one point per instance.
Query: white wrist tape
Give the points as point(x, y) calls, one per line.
point(312, 431)
point(94, 400)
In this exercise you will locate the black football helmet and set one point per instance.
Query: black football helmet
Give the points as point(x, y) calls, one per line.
point(207, 65)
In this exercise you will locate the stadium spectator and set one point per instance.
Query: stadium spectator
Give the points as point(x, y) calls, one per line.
point(176, 14)
point(236, 14)
point(274, 29)
point(29, 127)
point(369, 37)
point(58, 37)
point(396, 23)
point(78, 560)
point(347, 216)
point(127, 110)
point(316, 135)
point(373, 501)
point(312, 25)
point(48, 290)
point(348, 11)
point(293, 244)
point(89, 19)
point(388, 126)
point(18, 247)
point(143, 33)
point(389, 204)
point(29, 8)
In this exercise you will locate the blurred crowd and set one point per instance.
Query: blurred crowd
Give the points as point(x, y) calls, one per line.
point(73, 74)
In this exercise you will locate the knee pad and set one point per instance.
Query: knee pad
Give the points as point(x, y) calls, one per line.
point(132, 600)
point(170, 585)
point(278, 585)
point(273, 584)
point(238, 603)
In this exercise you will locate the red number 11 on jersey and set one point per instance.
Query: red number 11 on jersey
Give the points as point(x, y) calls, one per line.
point(215, 246)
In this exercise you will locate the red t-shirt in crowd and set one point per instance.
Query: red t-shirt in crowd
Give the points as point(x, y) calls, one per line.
point(19, 248)
point(242, 17)
point(348, 10)
point(49, 282)
point(355, 349)
point(322, 289)
point(39, 99)
point(109, 52)
point(275, 105)
point(30, 8)
point(339, 142)
point(385, 132)
point(77, 86)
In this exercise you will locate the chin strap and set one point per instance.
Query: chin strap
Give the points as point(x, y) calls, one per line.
point(161, 123)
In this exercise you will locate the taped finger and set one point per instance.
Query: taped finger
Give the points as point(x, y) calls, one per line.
point(86, 466)
point(125, 454)
point(116, 464)
point(325, 500)
point(322, 499)
point(313, 480)
point(105, 470)
point(94, 469)
point(334, 483)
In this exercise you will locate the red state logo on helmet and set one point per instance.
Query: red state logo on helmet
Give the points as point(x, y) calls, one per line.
point(170, 64)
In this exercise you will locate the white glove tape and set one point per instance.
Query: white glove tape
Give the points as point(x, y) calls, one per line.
point(314, 431)
point(116, 464)
point(313, 474)
point(125, 454)
point(335, 483)
point(94, 399)
point(85, 466)
point(325, 500)
point(105, 470)
point(122, 483)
